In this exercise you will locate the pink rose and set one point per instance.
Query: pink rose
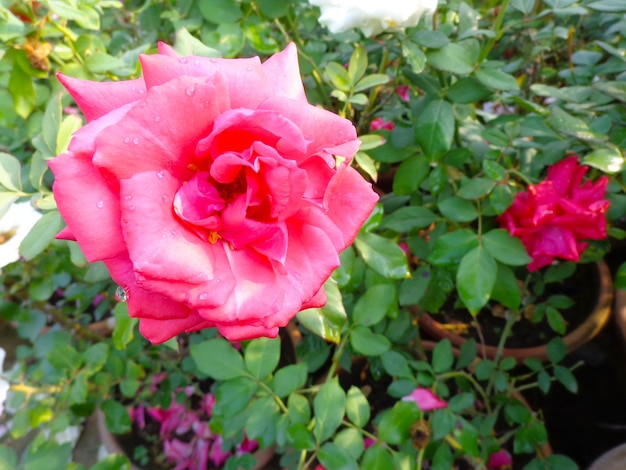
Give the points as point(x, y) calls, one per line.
point(379, 123)
point(555, 217)
point(425, 399)
point(210, 189)
point(404, 93)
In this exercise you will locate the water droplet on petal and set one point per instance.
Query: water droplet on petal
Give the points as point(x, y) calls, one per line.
point(159, 175)
point(126, 140)
point(141, 91)
point(136, 140)
point(164, 198)
point(196, 62)
point(249, 69)
point(121, 294)
point(100, 204)
point(131, 208)
point(190, 91)
point(213, 60)
point(157, 118)
point(203, 296)
point(183, 60)
point(128, 197)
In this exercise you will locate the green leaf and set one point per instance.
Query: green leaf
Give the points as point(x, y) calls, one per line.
point(572, 126)
point(458, 210)
point(333, 456)
point(338, 76)
point(364, 341)
point(116, 417)
point(261, 356)
point(396, 364)
point(112, 462)
point(523, 6)
point(616, 90)
point(411, 174)
point(608, 6)
point(186, 44)
point(41, 235)
point(273, 8)
point(369, 81)
point(609, 160)
point(11, 26)
point(262, 419)
point(501, 198)
point(505, 248)
point(220, 11)
point(95, 356)
point(10, 169)
point(234, 395)
point(357, 407)
point(382, 255)
point(467, 354)
point(23, 91)
point(395, 423)
point(298, 408)
point(409, 218)
point(326, 322)
point(377, 457)
point(566, 377)
point(329, 407)
point(452, 58)
point(556, 350)
point(101, 62)
point(451, 247)
point(300, 437)
point(435, 128)
point(496, 79)
point(475, 278)
point(443, 359)
point(620, 277)
point(412, 290)
point(289, 379)
point(507, 290)
point(124, 329)
point(556, 320)
point(476, 188)
point(414, 56)
point(374, 304)
point(218, 359)
point(468, 90)
point(8, 457)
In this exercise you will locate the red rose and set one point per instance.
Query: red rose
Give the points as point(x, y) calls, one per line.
point(211, 191)
point(555, 217)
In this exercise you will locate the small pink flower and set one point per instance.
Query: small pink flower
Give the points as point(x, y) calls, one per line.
point(247, 446)
point(368, 442)
point(500, 460)
point(217, 455)
point(403, 92)
point(425, 399)
point(379, 123)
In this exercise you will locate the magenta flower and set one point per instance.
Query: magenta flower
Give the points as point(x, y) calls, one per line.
point(500, 460)
point(379, 123)
point(556, 217)
point(425, 399)
point(403, 92)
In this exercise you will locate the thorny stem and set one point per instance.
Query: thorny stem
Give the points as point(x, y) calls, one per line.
point(336, 358)
point(473, 381)
point(508, 326)
point(276, 398)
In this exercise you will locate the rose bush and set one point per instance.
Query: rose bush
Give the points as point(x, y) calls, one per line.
point(555, 217)
point(215, 194)
point(373, 17)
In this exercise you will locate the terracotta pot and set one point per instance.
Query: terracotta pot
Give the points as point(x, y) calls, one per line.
point(573, 340)
point(110, 442)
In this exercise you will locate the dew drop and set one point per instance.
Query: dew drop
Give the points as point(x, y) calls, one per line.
point(131, 208)
point(136, 140)
point(182, 60)
point(206, 104)
point(249, 69)
point(141, 91)
point(157, 118)
point(190, 91)
point(164, 198)
point(100, 204)
point(126, 140)
point(196, 62)
point(203, 296)
point(128, 197)
point(213, 60)
point(121, 294)
point(159, 175)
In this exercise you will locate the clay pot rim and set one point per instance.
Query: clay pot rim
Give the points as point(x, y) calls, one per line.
point(573, 340)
